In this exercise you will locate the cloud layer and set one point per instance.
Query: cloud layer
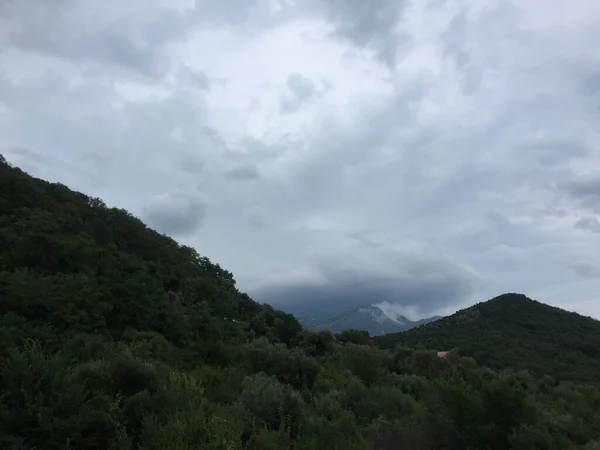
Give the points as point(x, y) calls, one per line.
point(328, 153)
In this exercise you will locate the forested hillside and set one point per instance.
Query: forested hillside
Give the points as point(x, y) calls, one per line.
point(116, 337)
point(513, 331)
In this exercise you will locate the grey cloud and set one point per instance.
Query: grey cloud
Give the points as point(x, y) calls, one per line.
point(585, 190)
point(36, 161)
point(368, 24)
point(553, 152)
point(255, 16)
point(243, 173)
point(105, 47)
point(259, 149)
point(96, 159)
point(590, 223)
point(362, 236)
point(29, 154)
point(119, 44)
point(468, 150)
point(257, 222)
point(255, 218)
point(586, 270)
point(363, 23)
point(175, 214)
point(320, 182)
point(301, 91)
point(591, 82)
point(454, 41)
point(194, 78)
point(301, 86)
point(455, 45)
point(225, 11)
point(586, 74)
point(192, 165)
point(5, 7)
point(136, 135)
point(425, 285)
point(24, 158)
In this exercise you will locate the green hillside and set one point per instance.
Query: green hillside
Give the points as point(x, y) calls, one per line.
point(513, 331)
point(116, 337)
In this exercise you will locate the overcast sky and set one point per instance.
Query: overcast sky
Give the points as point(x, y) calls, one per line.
point(328, 152)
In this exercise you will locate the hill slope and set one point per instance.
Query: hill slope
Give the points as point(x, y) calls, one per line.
point(113, 336)
point(72, 265)
point(513, 331)
point(362, 317)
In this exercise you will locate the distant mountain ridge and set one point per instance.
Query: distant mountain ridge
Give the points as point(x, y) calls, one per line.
point(363, 317)
point(516, 332)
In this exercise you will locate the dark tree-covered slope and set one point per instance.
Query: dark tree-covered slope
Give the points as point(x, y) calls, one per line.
point(70, 264)
point(113, 336)
point(513, 331)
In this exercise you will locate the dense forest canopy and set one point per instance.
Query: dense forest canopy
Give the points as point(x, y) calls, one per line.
point(114, 336)
point(514, 331)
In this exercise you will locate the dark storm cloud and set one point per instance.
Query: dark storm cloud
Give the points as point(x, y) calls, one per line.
point(370, 24)
point(225, 11)
point(116, 43)
point(426, 285)
point(586, 191)
point(589, 223)
point(175, 214)
point(589, 83)
point(243, 173)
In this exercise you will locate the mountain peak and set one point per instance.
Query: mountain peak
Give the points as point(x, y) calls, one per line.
point(362, 317)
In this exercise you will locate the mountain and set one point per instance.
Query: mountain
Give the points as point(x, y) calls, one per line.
point(113, 336)
point(514, 331)
point(362, 317)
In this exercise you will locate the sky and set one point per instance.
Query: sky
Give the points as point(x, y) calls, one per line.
point(424, 155)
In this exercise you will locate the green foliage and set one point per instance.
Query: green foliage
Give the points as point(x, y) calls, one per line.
point(114, 336)
point(363, 361)
point(44, 405)
point(206, 426)
point(513, 331)
point(358, 337)
point(292, 367)
point(317, 344)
